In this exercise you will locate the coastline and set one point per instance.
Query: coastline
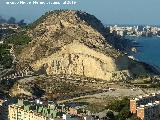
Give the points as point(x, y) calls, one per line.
point(147, 49)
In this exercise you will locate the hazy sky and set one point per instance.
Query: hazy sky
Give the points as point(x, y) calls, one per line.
point(108, 11)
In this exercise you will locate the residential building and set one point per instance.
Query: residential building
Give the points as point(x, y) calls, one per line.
point(4, 109)
point(143, 100)
point(35, 109)
point(151, 111)
point(146, 107)
point(147, 31)
point(31, 110)
point(18, 113)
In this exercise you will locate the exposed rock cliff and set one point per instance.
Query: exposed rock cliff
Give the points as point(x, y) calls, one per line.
point(74, 43)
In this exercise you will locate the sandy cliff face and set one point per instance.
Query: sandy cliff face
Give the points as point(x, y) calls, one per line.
point(74, 43)
point(76, 58)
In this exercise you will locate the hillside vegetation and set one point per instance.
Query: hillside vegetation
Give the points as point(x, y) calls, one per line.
point(5, 58)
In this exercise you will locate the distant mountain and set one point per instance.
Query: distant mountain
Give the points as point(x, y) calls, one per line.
point(12, 20)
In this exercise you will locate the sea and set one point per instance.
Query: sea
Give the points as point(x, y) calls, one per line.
point(148, 50)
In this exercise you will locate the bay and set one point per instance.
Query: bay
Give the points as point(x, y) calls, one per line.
point(149, 51)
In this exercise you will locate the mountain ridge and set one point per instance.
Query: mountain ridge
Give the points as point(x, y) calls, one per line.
point(60, 36)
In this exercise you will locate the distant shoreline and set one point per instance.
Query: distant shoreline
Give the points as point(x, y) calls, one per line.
point(147, 50)
point(128, 36)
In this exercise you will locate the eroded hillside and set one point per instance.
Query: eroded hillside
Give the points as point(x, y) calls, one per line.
point(74, 43)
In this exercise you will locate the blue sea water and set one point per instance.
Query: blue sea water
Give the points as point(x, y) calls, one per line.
point(149, 50)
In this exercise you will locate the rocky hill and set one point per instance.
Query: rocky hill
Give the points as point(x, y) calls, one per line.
point(74, 43)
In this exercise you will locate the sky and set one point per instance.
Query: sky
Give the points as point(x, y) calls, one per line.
point(108, 11)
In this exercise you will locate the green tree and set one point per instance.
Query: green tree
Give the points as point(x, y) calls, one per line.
point(5, 58)
point(121, 106)
point(110, 115)
point(124, 113)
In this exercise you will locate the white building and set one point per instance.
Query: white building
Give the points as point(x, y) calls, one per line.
point(1, 42)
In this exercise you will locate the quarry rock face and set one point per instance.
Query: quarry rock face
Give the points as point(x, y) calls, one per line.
point(74, 43)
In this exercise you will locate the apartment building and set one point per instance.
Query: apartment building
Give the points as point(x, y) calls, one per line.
point(146, 107)
point(150, 111)
point(20, 109)
point(134, 30)
point(143, 100)
point(18, 113)
point(29, 110)
point(4, 110)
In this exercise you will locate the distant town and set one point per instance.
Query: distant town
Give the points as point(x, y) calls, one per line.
point(144, 107)
point(144, 31)
point(35, 109)
point(122, 30)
